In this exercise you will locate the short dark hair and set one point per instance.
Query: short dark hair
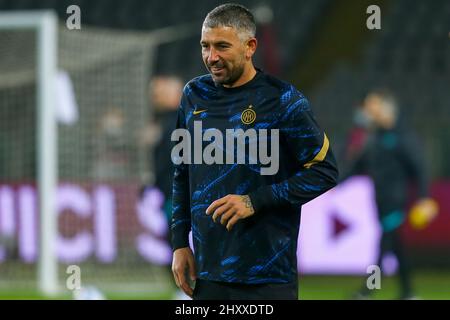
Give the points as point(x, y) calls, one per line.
point(232, 15)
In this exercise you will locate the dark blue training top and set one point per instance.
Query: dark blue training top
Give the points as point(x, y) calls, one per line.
point(261, 248)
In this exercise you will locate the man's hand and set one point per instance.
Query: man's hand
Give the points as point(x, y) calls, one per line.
point(182, 259)
point(230, 209)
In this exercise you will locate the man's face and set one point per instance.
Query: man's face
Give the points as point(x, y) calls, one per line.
point(375, 109)
point(165, 93)
point(224, 54)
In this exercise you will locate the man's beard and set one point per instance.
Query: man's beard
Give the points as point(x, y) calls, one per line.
point(230, 78)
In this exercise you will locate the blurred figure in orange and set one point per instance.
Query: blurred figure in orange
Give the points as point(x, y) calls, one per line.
point(392, 157)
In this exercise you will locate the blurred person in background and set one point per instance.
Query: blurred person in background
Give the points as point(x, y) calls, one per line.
point(357, 135)
point(392, 157)
point(112, 150)
point(244, 223)
point(164, 95)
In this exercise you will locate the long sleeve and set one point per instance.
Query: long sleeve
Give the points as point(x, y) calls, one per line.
point(181, 215)
point(317, 169)
point(414, 162)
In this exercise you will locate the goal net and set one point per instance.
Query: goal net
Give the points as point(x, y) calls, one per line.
point(104, 225)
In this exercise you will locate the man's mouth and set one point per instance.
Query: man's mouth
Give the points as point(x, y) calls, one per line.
point(216, 69)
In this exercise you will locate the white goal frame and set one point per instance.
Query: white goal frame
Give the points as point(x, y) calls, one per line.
point(45, 24)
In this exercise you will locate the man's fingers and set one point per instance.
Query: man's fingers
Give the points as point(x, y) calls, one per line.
point(183, 267)
point(226, 216)
point(213, 206)
point(219, 211)
point(232, 222)
point(182, 283)
point(187, 289)
point(191, 264)
point(178, 274)
point(175, 276)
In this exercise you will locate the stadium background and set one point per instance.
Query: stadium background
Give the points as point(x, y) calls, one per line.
point(321, 46)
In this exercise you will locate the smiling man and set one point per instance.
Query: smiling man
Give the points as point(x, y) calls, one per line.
point(244, 223)
point(227, 50)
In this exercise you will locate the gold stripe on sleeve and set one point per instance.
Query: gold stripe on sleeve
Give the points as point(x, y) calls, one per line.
point(321, 155)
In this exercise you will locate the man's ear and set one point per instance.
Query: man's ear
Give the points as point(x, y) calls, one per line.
point(252, 43)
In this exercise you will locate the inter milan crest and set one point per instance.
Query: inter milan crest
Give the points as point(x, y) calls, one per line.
point(248, 116)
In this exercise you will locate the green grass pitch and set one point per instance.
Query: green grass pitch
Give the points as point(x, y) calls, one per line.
point(428, 286)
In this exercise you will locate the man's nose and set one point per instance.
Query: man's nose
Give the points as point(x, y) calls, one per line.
point(213, 56)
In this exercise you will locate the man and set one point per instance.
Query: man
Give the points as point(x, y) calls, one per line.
point(391, 158)
point(244, 222)
point(165, 95)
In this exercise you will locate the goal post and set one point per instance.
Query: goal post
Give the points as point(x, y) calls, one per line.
point(74, 108)
point(45, 25)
